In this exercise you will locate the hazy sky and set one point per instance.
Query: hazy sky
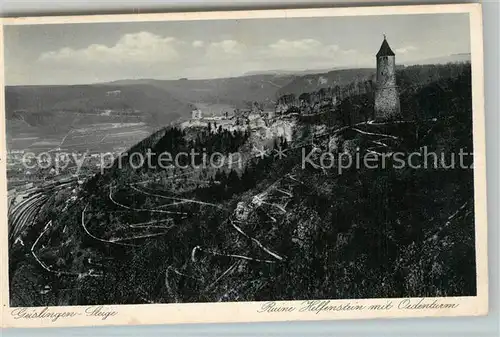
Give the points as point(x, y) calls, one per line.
point(89, 53)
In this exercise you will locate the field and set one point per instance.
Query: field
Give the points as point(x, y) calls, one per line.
point(101, 137)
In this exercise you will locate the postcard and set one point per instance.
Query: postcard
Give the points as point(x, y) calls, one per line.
point(243, 166)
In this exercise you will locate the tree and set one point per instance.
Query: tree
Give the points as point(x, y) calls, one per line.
point(305, 98)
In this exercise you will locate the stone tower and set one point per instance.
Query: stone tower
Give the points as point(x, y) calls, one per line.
point(386, 94)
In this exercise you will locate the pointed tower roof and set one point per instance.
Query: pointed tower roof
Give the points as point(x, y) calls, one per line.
point(385, 50)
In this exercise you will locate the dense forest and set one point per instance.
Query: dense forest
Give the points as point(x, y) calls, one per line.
point(275, 229)
point(357, 97)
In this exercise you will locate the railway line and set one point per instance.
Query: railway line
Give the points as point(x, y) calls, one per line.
point(23, 214)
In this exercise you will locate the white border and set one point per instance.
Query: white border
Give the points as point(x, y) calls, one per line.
point(248, 311)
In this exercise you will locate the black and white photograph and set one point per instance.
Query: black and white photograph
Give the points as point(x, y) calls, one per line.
point(245, 159)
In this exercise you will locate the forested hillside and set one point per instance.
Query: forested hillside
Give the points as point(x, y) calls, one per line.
point(276, 229)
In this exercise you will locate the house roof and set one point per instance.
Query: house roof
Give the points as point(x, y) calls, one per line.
point(385, 50)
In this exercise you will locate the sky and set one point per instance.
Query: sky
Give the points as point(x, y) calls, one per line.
point(102, 52)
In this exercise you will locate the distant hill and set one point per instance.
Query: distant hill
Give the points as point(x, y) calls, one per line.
point(283, 72)
point(56, 109)
point(314, 82)
point(38, 106)
point(234, 91)
point(454, 58)
point(87, 98)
